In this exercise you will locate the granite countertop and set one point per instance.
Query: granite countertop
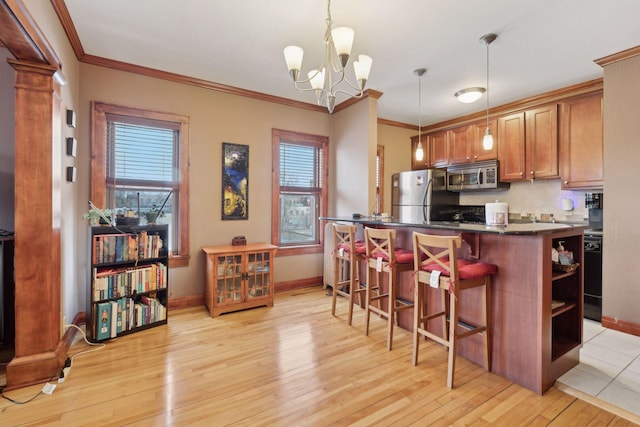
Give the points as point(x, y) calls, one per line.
point(522, 228)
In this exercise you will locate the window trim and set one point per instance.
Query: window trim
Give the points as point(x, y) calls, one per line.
point(322, 142)
point(98, 193)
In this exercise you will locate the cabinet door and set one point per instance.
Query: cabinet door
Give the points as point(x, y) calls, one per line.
point(229, 286)
point(476, 135)
point(419, 164)
point(511, 150)
point(438, 143)
point(259, 275)
point(542, 142)
point(582, 143)
point(460, 147)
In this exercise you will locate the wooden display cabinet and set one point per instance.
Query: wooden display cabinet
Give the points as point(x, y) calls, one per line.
point(239, 277)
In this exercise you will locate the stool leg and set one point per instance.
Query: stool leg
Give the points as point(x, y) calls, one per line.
point(443, 304)
point(417, 315)
point(337, 266)
point(391, 310)
point(487, 323)
point(453, 339)
point(367, 301)
point(352, 288)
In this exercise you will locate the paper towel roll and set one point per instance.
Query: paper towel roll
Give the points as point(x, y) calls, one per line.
point(496, 214)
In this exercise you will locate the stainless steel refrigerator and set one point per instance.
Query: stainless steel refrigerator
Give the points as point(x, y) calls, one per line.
point(421, 196)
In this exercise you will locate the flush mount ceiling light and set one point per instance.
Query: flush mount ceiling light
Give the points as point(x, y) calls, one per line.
point(470, 94)
point(487, 141)
point(325, 79)
point(419, 150)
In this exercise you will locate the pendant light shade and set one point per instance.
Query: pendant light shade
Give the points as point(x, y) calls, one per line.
point(487, 140)
point(419, 150)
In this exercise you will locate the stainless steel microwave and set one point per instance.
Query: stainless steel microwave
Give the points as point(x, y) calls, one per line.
point(475, 176)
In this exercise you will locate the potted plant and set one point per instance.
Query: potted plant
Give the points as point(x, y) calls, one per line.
point(95, 217)
point(153, 214)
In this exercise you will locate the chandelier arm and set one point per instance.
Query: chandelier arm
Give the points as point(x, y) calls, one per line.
point(346, 80)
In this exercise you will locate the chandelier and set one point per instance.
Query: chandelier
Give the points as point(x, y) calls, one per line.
point(325, 79)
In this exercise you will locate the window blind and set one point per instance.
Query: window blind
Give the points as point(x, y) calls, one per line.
point(300, 166)
point(141, 153)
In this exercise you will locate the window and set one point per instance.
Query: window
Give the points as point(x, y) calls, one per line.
point(299, 191)
point(139, 163)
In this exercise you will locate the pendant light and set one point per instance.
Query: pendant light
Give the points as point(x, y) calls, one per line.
point(487, 141)
point(419, 150)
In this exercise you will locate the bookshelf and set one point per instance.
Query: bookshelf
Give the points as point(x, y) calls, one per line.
point(128, 279)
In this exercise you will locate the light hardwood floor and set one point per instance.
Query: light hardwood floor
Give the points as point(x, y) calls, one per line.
point(290, 365)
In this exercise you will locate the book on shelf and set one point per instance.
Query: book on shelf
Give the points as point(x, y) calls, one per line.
point(114, 319)
point(103, 320)
point(556, 304)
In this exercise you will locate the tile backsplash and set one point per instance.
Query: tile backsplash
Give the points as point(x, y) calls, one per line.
point(537, 198)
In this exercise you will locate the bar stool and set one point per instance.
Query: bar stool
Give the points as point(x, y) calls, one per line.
point(436, 264)
point(347, 254)
point(383, 258)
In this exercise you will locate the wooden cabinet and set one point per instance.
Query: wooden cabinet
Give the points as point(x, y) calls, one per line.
point(128, 280)
point(563, 310)
point(465, 143)
point(528, 146)
point(419, 164)
point(436, 150)
point(438, 143)
point(239, 277)
point(581, 146)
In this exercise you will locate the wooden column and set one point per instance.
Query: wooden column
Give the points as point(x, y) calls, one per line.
point(38, 355)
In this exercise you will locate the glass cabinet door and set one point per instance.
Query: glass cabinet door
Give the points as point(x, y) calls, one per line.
point(229, 283)
point(258, 278)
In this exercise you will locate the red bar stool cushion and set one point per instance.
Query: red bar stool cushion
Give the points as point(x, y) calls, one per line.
point(403, 256)
point(466, 269)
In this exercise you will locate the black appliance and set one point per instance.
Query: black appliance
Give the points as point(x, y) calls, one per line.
point(593, 275)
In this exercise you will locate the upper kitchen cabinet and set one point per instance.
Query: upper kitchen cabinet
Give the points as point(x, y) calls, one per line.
point(419, 164)
point(465, 143)
point(438, 145)
point(528, 147)
point(581, 147)
point(436, 150)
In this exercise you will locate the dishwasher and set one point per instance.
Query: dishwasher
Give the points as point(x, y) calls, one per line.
point(593, 277)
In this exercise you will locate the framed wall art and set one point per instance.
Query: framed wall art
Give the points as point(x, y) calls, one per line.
point(235, 181)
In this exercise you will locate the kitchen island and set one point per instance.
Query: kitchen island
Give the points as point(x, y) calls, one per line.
point(536, 310)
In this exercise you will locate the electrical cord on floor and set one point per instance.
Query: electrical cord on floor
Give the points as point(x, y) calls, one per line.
point(97, 346)
point(19, 402)
point(63, 373)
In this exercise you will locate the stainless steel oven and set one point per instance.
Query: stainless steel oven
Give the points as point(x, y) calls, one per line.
point(593, 276)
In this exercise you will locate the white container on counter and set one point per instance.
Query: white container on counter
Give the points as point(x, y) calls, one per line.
point(497, 214)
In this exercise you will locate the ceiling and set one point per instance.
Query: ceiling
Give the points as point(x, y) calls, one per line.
point(542, 45)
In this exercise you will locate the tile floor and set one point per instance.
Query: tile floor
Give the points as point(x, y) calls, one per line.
point(609, 367)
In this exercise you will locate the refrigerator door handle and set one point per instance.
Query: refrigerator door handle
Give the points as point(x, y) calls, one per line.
point(426, 212)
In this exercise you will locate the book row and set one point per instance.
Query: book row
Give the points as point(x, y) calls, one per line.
point(124, 314)
point(116, 283)
point(108, 248)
